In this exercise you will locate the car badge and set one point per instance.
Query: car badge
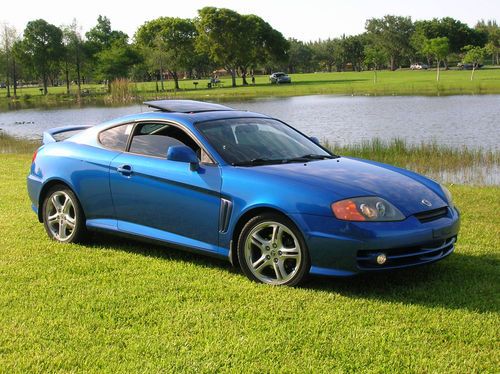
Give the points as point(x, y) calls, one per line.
point(426, 202)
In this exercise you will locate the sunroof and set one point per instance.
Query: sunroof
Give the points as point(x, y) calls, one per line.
point(185, 106)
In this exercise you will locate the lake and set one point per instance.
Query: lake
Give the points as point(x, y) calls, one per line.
point(472, 121)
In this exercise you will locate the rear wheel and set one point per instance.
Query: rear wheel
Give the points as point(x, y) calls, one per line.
point(63, 216)
point(272, 250)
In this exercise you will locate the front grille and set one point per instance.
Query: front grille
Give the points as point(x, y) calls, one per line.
point(405, 257)
point(432, 215)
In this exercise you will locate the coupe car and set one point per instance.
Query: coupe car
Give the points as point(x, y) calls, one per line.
point(280, 78)
point(240, 186)
point(419, 66)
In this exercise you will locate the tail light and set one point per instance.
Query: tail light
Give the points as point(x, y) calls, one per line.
point(34, 156)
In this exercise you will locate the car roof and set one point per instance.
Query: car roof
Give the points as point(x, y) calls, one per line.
point(186, 106)
point(187, 117)
point(192, 111)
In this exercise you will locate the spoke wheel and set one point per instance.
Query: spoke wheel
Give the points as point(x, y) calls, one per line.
point(271, 250)
point(62, 215)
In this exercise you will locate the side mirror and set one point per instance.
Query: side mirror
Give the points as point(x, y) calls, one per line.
point(314, 140)
point(182, 153)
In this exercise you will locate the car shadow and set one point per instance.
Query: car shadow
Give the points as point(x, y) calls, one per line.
point(459, 282)
point(331, 81)
point(107, 241)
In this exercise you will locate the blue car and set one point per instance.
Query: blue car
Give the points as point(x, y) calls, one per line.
point(239, 186)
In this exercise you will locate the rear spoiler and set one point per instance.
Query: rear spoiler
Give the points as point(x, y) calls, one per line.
point(48, 136)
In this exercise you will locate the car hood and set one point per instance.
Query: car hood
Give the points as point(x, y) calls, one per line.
point(344, 178)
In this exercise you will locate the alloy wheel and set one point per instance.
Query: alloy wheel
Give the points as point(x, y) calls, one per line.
point(61, 216)
point(272, 253)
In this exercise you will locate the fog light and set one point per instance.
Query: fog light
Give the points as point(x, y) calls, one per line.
point(381, 259)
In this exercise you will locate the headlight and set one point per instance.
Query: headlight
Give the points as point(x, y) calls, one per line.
point(366, 209)
point(447, 193)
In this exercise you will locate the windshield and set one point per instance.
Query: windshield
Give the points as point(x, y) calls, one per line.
point(253, 141)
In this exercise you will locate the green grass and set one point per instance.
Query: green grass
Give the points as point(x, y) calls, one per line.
point(402, 82)
point(121, 306)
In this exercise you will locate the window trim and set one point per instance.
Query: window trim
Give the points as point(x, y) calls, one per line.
point(137, 123)
point(112, 127)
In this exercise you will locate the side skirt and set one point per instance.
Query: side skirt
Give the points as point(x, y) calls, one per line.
point(155, 236)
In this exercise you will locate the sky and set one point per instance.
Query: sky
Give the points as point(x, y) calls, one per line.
point(304, 20)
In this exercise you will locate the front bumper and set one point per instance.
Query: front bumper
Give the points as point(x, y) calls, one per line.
point(341, 248)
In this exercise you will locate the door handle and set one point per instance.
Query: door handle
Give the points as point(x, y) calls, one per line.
point(125, 170)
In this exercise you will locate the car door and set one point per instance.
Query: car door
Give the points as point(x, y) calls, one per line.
point(165, 199)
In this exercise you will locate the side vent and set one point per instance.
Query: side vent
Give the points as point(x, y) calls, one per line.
point(226, 207)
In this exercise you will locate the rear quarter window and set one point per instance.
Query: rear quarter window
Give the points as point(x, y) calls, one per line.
point(116, 137)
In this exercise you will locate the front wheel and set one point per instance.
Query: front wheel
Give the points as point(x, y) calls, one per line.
point(63, 216)
point(272, 250)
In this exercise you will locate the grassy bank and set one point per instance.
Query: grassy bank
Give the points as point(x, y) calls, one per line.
point(10, 144)
point(122, 306)
point(437, 161)
point(403, 82)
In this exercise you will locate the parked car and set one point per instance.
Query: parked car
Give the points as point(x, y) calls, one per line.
point(240, 186)
point(419, 66)
point(280, 78)
point(462, 66)
point(3, 85)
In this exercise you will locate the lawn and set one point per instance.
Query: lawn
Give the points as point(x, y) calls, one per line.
point(401, 82)
point(120, 306)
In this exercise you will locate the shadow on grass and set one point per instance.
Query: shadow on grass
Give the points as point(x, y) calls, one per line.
point(330, 81)
point(107, 241)
point(458, 282)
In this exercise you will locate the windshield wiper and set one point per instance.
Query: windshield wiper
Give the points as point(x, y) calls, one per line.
point(269, 161)
point(258, 161)
point(310, 157)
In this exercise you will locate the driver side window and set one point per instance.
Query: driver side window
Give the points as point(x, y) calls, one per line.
point(154, 139)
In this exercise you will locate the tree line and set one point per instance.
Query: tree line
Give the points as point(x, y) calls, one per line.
point(239, 44)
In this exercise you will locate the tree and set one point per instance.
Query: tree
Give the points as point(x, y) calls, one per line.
point(459, 34)
point(329, 53)
point(374, 57)
point(222, 37)
point(115, 62)
point(439, 48)
point(272, 47)
point(8, 37)
point(299, 56)
point(99, 38)
point(391, 34)
point(492, 29)
point(238, 41)
point(74, 52)
point(263, 44)
point(155, 57)
point(354, 49)
point(172, 41)
point(473, 55)
point(43, 49)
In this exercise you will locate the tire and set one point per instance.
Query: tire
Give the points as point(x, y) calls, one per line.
point(63, 216)
point(272, 250)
